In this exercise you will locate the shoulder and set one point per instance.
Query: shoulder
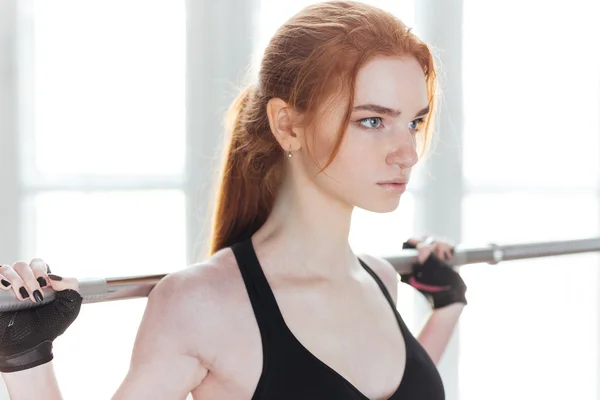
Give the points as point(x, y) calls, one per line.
point(200, 300)
point(201, 281)
point(197, 284)
point(385, 271)
point(183, 331)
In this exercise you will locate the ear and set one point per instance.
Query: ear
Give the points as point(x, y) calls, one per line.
point(281, 120)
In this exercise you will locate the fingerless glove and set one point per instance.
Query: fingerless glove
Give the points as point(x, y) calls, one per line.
point(26, 336)
point(436, 280)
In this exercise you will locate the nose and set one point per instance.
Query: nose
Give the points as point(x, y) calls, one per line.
point(403, 151)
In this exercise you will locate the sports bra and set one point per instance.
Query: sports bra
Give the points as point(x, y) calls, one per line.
point(292, 372)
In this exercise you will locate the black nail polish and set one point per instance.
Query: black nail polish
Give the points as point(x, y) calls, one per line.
point(48, 272)
point(24, 292)
point(5, 283)
point(42, 281)
point(55, 277)
point(38, 296)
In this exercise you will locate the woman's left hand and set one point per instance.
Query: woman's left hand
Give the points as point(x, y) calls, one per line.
point(432, 275)
point(442, 248)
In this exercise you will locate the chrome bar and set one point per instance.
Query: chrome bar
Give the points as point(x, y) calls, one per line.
point(494, 253)
point(93, 290)
point(110, 289)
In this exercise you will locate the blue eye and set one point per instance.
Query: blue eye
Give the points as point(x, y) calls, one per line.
point(372, 123)
point(416, 124)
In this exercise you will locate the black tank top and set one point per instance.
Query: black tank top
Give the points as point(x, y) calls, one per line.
point(291, 372)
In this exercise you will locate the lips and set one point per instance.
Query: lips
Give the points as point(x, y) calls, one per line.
point(398, 181)
point(396, 187)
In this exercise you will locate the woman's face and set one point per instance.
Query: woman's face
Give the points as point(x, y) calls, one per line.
point(390, 103)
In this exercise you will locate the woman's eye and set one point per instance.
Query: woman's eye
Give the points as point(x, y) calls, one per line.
point(372, 123)
point(416, 124)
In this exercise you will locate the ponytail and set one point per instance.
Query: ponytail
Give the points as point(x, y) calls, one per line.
point(250, 174)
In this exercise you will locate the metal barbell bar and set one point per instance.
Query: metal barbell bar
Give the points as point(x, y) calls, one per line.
point(95, 290)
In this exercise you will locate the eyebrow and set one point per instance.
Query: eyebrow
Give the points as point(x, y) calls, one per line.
point(385, 110)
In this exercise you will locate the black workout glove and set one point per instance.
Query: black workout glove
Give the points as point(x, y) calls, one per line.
point(26, 336)
point(436, 280)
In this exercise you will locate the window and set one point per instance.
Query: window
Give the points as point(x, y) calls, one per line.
point(528, 321)
point(105, 162)
point(531, 169)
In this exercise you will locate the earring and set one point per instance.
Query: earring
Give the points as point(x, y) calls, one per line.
point(290, 152)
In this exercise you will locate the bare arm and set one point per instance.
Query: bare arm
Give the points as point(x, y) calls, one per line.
point(20, 387)
point(436, 333)
point(163, 365)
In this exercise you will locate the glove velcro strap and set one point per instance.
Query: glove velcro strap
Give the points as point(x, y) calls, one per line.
point(41, 354)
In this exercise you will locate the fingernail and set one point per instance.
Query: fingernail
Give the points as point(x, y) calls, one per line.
point(38, 296)
point(5, 283)
point(42, 281)
point(55, 277)
point(48, 272)
point(24, 292)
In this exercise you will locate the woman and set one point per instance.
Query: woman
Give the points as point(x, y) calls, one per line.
point(283, 308)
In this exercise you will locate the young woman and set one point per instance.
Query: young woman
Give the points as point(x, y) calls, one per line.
point(283, 308)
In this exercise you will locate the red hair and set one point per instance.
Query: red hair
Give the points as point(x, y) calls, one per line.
point(314, 53)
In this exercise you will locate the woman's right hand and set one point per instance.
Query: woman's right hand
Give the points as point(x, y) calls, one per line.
point(26, 336)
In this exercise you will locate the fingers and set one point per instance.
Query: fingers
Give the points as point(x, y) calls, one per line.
point(427, 245)
point(424, 252)
point(16, 283)
point(448, 254)
point(413, 241)
point(443, 251)
point(27, 281)
point(28, 275)
point(5, 283)
point(40, 271)
point(59, 283)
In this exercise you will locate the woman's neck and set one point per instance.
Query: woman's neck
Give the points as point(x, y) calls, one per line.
point(307, 230)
